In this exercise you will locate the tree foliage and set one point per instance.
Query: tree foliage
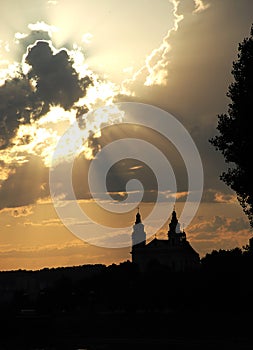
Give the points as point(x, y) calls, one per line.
point(235, 138)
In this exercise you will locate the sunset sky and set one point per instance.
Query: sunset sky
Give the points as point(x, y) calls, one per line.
point(62, 60)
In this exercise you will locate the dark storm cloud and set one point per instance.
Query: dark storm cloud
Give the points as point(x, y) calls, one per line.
point(57, 82)
point(17, 103)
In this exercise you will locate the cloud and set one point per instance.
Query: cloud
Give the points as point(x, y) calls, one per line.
point(87, 37)
point(74, 253)
point(22, 211)
point(237, 225)
point(75, 247)
point(200, 6)
point(27, 108)
point(154, 72)
point(43, 27)
point(186, 56)
point(57, 82)
point(43, 223)
point(211, 195)
point(218, 232)
point(198, 67)
point(52, 2)
point(37, 32)
point(24, 40)
point(156, 67)
point(16, 105)
point(51, 80)
point(219, 225)
point(25, 185)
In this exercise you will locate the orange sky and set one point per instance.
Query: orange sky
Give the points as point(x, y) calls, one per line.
point(174, 55)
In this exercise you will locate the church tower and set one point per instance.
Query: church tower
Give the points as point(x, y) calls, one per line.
point(138, 237)
point(138, 234)
point(175, 253)
point(175, 235)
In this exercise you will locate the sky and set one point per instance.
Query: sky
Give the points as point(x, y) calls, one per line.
point(77, 77)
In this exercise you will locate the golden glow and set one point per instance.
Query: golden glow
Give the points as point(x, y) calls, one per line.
point(33, 139)
point(7, 70)
point(76, 139)
point(87, 37)
point(41, 136)
point(79, 61)
point(100, 94)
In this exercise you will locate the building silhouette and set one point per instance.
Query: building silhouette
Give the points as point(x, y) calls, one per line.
point(176, 253)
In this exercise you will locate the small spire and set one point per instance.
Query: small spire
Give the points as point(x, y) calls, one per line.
point(174, 215)
point(138, 217)
point(174, 221)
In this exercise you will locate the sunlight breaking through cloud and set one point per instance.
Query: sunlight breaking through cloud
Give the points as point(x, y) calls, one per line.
point(200, 6)
point(154, 72)
point(155, 69)
point(39, 131)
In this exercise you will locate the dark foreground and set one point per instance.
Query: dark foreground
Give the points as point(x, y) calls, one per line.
point(118, 307)
point(121, 330)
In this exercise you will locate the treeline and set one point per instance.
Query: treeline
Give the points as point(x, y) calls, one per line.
point(119, 299)
point(224, 275)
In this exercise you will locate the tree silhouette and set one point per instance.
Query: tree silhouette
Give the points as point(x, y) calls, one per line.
point(235, 138)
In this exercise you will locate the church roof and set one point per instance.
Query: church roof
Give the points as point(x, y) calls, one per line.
point(161, 244)
point(157, 243)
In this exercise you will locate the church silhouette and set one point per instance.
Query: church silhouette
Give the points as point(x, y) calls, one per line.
point(175, 253)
